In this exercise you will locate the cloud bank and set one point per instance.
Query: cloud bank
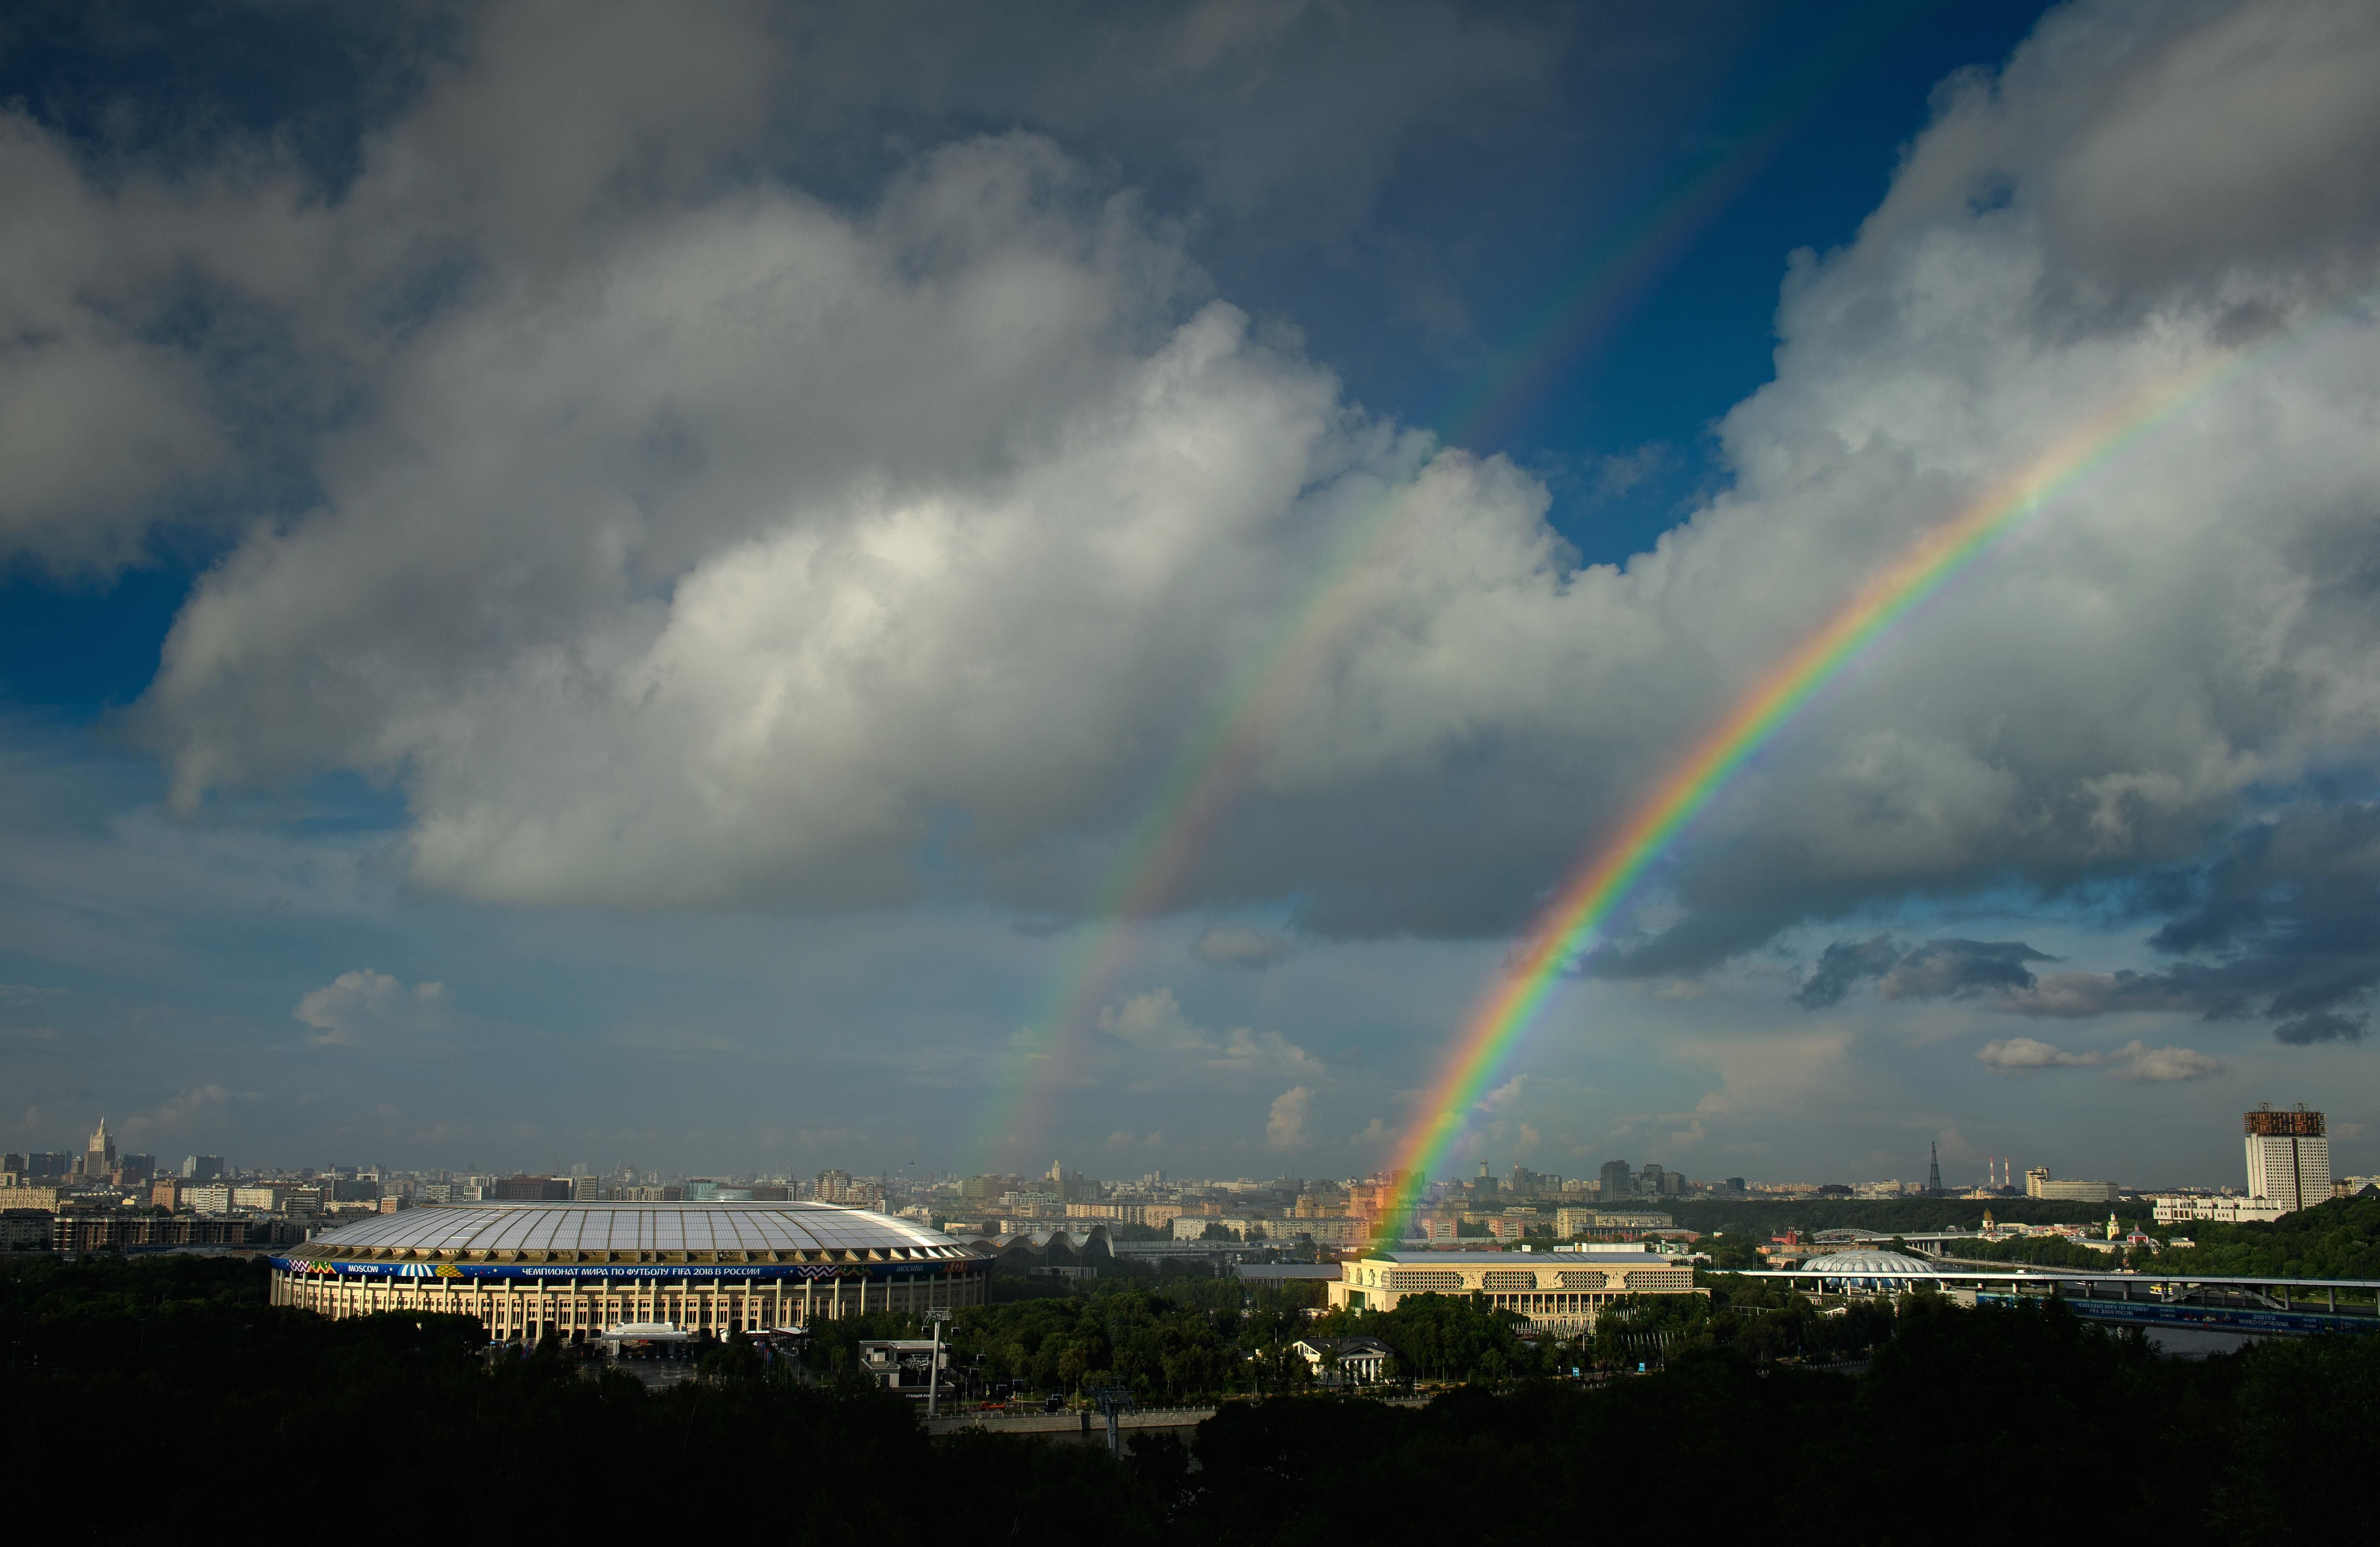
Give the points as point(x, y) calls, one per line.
point(688, 540)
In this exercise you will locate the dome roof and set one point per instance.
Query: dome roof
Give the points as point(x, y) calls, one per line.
point(1867, 1264)
point(633, 1227)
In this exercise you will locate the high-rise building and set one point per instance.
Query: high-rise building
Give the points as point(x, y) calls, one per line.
point(1617, 1181)
point(2288, 1156)
point(99, 1154)
point(203, 1168)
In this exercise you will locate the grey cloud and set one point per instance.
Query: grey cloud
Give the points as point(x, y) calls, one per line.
point(2221, 149)
point(1238, 946)
point(2135, 1061)
point(1843, 965)
point(2018, 1054)
point(2080, 995)
point(2279, 926)
point(1947, 968)
point(1961, 969)
point(2161, 1066)
point(2283, 925)
point(2326, 1027)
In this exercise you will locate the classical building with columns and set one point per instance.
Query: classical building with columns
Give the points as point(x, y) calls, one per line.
point(1562, 1292)
point(573, 1270)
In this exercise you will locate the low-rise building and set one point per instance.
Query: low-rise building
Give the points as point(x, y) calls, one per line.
point(25, 1229)
point(1361, 1360)
point(1552, 1293)
point(906, 1365)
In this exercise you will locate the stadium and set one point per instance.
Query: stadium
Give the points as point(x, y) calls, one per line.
point(572, 1270)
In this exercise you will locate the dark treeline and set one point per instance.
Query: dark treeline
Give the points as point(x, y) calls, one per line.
point(2337, 1238)
point(1957, 1426)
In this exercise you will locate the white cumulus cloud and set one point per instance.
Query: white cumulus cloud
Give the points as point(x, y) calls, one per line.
point(365, 1006)
point(1285, 1127)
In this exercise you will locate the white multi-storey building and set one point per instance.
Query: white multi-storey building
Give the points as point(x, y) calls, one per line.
point(2181, 1208)
point(2288, 1157)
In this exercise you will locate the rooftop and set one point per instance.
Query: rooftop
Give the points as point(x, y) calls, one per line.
point(700, 1227)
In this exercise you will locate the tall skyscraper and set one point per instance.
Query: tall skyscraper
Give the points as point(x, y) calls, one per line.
point(99, 1155)
point(2288, 1156)
point(1617, 1181)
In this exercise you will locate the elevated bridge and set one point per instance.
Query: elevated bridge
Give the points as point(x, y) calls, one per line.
point(2258, 1306)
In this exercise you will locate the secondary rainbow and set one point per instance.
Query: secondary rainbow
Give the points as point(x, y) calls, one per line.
point(1567, 926)
point(1157, 856)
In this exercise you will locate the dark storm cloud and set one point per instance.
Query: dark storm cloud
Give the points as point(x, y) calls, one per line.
point(2289, 915)
point(1845, 965)
point(1946, 968)
point(2281, 925)
point(1961, 969)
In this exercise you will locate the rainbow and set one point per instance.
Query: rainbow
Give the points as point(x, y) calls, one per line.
point(1567, 926)
point(1635, 251)
point(1172, 828)
point(1212, 764)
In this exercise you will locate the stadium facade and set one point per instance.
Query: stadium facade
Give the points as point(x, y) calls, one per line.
point(572, 1270)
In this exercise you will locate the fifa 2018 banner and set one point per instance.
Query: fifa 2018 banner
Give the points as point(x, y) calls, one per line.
point(763, 1271)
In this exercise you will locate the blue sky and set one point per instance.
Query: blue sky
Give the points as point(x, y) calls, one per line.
point(616, 593)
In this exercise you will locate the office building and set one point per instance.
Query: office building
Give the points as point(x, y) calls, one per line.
point(2288, 1157)
point(572, 1270)
point(1580, 1221)
point(2038, 1183)
point(530, 1189)
point(203, 1168)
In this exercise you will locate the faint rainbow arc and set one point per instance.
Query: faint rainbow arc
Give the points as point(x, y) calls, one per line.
point(1210, 765)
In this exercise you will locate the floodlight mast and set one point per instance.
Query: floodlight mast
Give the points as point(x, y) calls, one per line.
point(936, 1317)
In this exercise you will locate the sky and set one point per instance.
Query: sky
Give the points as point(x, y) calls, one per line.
point(758, 587)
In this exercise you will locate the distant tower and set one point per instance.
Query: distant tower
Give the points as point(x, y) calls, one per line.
point(1934, 1170)
point(2288, 1156)
point(99, 1156)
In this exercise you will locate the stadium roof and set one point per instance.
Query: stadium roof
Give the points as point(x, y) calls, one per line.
point(702, 1228)
point(1869, 1264)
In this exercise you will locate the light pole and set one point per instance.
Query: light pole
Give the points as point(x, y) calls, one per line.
point(936, 1317)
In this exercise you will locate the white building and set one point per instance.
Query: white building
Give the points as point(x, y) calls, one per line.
point(2288, 1157)
point(2038, 1183)
point(2180, 1208)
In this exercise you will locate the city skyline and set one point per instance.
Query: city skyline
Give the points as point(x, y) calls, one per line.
point(1767, 589)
